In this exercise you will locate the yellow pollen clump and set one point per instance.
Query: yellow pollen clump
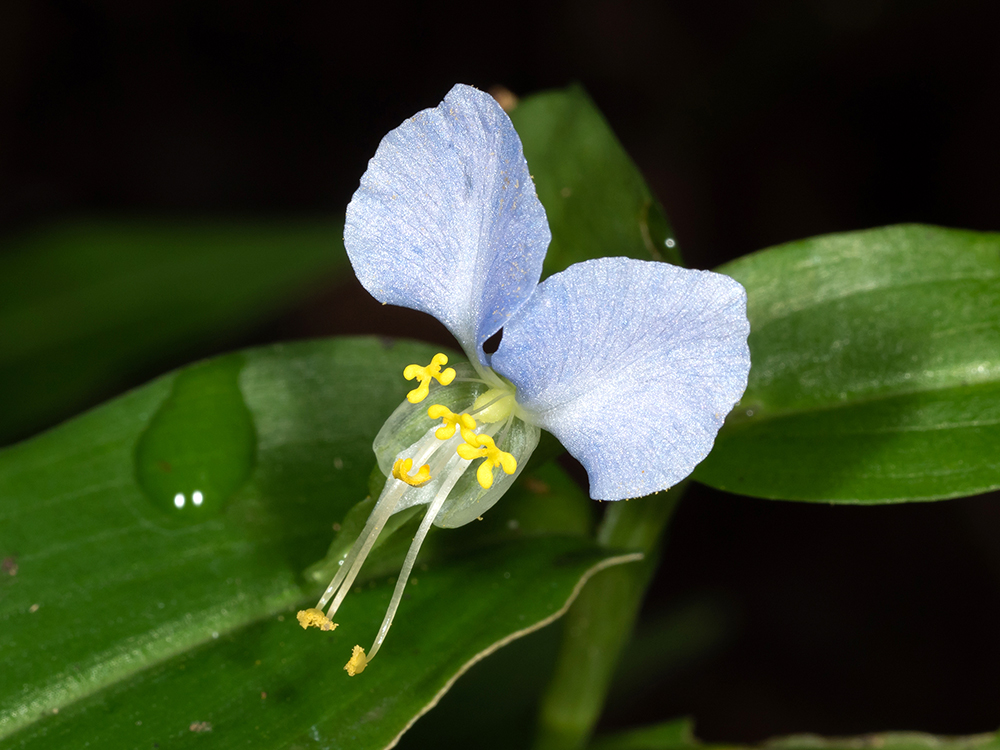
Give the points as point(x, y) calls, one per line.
point(494, 405)
point(464, 422)
point(357, 663)
point(401, 470)
point(484, 447)
point(425, 375)
point(314, 618)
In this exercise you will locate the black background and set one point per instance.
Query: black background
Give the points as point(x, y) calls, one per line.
point(754, 122)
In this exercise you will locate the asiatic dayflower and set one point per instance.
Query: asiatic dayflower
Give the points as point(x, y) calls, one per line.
point(632, 365)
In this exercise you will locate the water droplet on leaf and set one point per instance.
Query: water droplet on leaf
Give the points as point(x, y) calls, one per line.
point(199, 447)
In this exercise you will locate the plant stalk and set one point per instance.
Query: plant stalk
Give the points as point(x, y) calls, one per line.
point(600, 622)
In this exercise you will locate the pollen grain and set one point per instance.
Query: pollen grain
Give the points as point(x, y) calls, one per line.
point(314, 618)
point(357, 662)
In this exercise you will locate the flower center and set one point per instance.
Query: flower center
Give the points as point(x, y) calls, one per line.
point(442, 453)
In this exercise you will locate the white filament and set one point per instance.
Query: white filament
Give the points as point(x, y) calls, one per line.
point(392, 493)
point(411, 556)
point(351, 565)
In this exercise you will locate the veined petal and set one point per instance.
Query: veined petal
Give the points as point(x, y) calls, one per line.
point(447, 220)
point(633, 365)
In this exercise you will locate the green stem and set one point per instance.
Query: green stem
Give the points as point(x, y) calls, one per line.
point(600, 622)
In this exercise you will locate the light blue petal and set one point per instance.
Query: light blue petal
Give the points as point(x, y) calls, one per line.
point(447, 221)
point(633, 365)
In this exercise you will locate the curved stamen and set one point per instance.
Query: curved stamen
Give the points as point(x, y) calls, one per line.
point(351, 565)
point(411, 558)
point(401, 470)
point(386, 505)
point(443, 457)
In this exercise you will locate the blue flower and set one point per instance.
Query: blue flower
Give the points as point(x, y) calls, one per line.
point(632, 365)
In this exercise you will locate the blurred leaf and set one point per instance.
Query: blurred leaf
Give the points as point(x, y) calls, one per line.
point(596, 200)
point(511, 680)
point(875, 369)
point(668, 644)
point(670, 735)
point(88, 306)
point(886, 741)
point(678, 735)
point(131, 621)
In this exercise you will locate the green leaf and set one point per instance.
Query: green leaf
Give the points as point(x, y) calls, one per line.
point(669, 644)
point(875, 370)
point(596, 200)
point(88, 306)
point(130, 621)
point(886, 741)
point(678, 735)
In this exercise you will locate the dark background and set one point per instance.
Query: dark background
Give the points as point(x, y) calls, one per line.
point(754, 122)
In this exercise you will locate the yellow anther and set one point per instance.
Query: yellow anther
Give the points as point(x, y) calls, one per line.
point(425, 374)
point(401, 470)
point(464, 422)
point(357, 663)
point(484, 447)
point(314, 618)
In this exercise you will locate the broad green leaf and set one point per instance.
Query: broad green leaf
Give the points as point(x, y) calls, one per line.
point(596, 200)
point(88, 306)
point(875, 371)
point(268, 684)
point(130, 621)
point(678, 735)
